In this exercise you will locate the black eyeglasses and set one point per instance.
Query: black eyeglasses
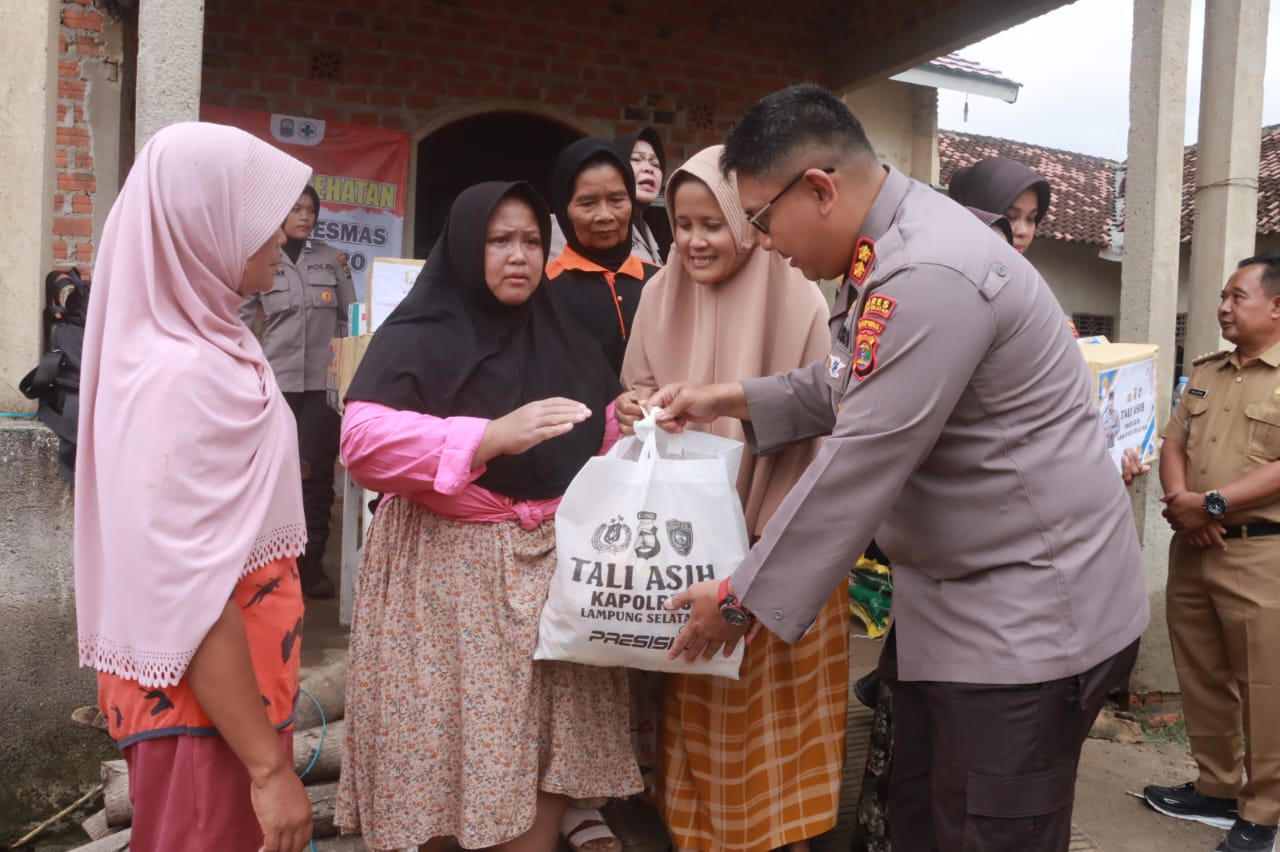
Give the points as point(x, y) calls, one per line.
point(754, 218)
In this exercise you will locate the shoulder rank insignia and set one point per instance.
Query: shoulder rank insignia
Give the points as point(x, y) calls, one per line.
point(1212, 356)
point(871, 324)
point(864, 254)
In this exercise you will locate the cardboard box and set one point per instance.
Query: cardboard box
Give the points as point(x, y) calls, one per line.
point(1124, 389)
point(344, 356)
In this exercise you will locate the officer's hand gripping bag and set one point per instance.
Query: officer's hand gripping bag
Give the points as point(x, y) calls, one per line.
point(654, 515)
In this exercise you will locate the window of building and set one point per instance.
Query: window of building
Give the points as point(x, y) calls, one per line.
point(1092, 325)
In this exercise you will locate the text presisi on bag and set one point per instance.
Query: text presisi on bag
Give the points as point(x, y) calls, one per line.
point(656, 514)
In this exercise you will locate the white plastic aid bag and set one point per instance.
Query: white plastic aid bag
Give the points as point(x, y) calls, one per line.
point(656, 514)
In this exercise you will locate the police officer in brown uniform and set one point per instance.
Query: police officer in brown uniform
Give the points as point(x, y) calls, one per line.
point(307, 307)
point(963, 435)
point(1221, 476)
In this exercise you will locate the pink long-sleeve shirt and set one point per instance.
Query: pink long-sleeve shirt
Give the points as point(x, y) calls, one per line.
point(429, 460)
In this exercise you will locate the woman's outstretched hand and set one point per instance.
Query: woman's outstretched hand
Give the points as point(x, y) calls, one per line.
point(528, 426)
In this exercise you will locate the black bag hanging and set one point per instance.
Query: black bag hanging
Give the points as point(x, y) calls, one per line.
point(55, 381)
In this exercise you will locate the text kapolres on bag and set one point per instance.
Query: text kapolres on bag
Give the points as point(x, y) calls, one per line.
point(654, 516)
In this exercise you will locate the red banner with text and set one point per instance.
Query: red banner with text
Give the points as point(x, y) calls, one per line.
point(360, 173)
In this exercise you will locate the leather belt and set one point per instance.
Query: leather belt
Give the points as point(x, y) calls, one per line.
point(1252, 530)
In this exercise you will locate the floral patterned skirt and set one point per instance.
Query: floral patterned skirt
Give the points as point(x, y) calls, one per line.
point(451, 727)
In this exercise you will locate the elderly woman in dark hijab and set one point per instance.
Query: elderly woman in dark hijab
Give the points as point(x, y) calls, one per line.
point(1004, 186)
point(597, 277)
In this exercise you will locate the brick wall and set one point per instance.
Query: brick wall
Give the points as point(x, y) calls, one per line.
point(80, 42)
point(688, 68)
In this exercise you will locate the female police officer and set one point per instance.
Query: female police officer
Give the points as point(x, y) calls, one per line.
point(304, 309)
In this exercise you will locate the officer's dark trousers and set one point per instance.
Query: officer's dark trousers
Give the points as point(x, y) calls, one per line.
point(318, 428)
point(991, 768)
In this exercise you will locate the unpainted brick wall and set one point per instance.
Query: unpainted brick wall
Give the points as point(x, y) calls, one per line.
point(688, 68)
point(80, 42)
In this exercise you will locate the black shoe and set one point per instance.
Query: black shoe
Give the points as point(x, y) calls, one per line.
point(867, 689)
point(1246, 836)
point(1186, 802)
point(319, 587)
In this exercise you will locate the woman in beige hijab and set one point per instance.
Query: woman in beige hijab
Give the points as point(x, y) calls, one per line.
point(754, 764)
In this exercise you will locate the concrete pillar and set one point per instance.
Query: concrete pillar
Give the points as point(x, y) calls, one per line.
point(1149, 276)
point(105, 110)
point(925, 162)
point(1226, 222)
point(28, 90)
point(170, 47)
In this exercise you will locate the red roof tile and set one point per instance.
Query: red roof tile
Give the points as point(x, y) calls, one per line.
point(1268, 185)
point(1083, 206)
point(1082, 209)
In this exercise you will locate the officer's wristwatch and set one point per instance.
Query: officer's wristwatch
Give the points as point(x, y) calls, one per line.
point(1215, 505)
point(731, 608)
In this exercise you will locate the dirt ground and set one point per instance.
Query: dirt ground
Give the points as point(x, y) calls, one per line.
point(1118, 822)
point(1104, 811)
point(1112, 819)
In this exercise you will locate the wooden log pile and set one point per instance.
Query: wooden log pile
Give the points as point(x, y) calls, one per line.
point(108, 828)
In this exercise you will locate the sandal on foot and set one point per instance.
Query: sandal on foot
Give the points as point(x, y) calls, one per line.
point(584, 829)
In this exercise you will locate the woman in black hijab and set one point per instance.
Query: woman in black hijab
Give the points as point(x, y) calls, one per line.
point(476, 404)
point(596, 277)
point(1004, 186)
point(650, 229)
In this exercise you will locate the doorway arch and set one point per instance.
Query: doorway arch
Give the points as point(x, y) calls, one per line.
point(502, 144)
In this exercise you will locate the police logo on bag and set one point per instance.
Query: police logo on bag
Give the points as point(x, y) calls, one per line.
point(612, 537)
point(647, 545)
point(680, 534)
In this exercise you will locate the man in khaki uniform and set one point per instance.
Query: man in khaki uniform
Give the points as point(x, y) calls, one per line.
point(1221, 481)
point(963, 436)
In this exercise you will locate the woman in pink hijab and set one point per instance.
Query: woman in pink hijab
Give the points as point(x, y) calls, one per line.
point(188, 505)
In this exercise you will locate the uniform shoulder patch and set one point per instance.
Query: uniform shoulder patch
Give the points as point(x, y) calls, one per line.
point(864, 254)
point(1213, 356)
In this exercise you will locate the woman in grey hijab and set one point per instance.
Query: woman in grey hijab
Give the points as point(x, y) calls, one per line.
point(1004, 186)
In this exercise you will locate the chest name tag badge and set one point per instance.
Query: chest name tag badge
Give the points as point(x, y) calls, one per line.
point(1199, 392)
